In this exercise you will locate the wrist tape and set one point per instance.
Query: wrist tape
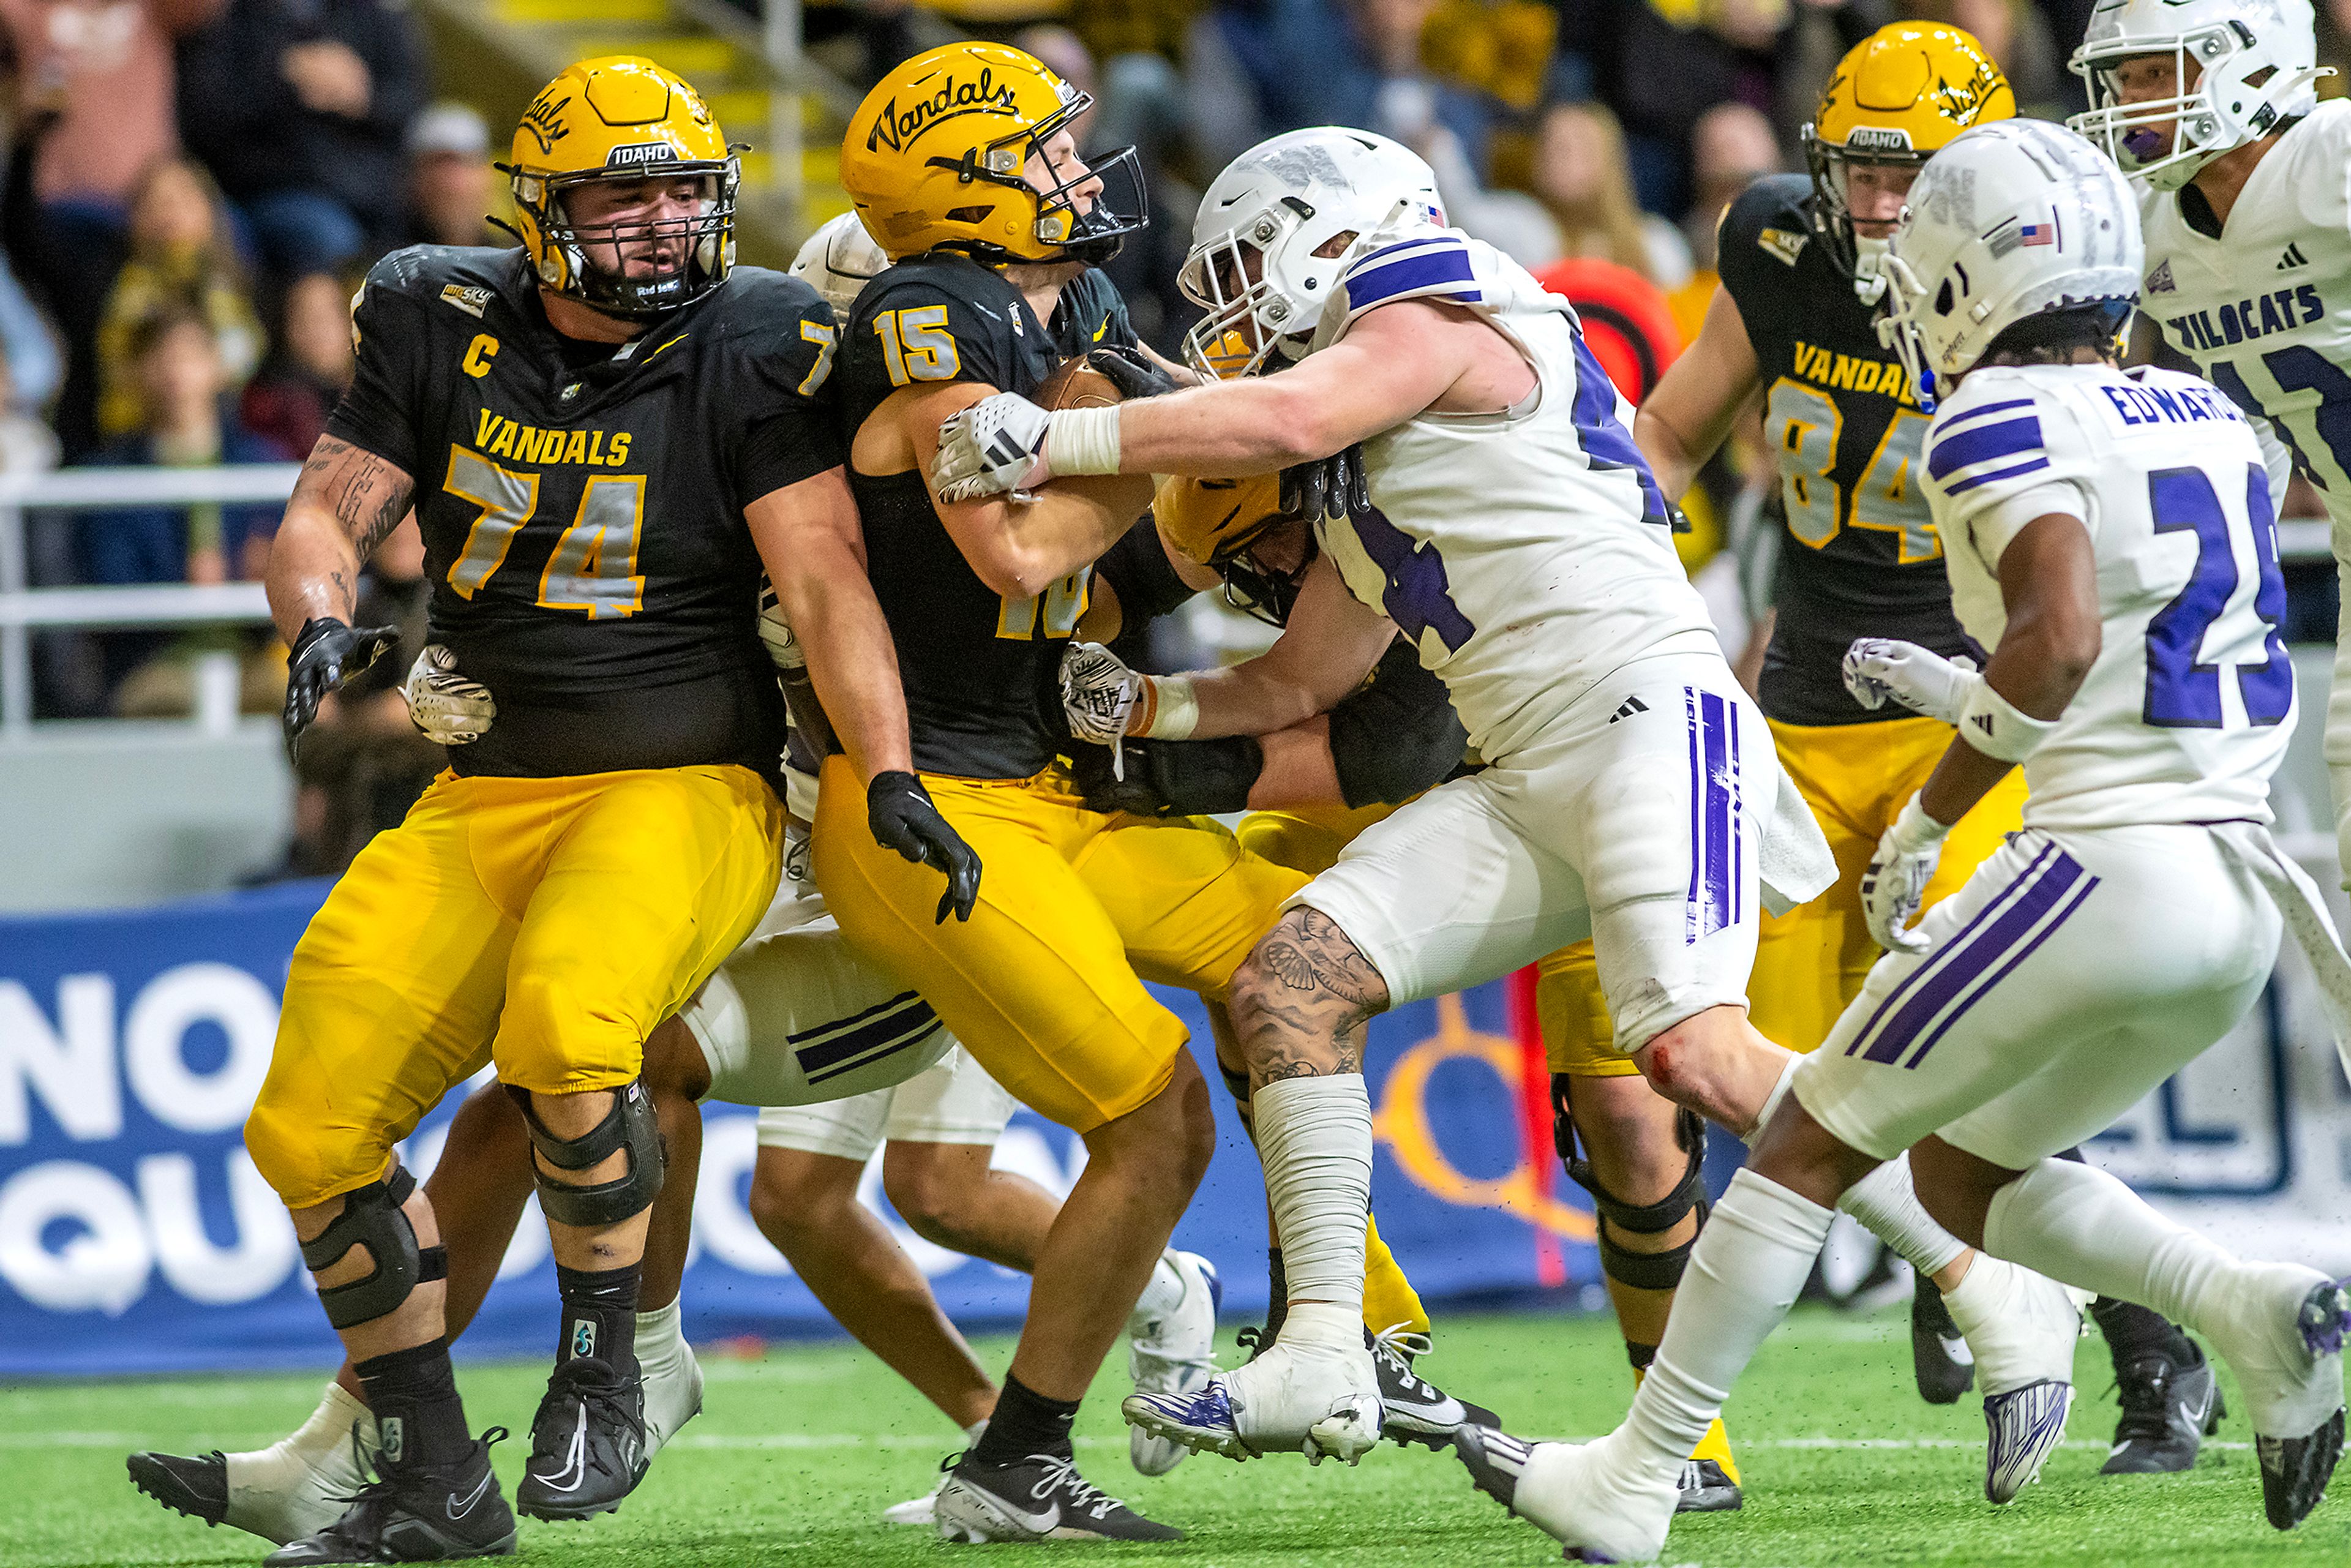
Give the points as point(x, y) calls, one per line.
point(1997, 728)
point(1083, 441)
point(1166, 709)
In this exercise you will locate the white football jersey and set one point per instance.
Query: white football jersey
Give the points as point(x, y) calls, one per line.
point(1527, 554)
point(2265, 310)
point(2191, 700)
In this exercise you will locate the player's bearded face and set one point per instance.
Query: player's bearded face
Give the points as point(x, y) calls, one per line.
point(641, 230)
point(2146, 78)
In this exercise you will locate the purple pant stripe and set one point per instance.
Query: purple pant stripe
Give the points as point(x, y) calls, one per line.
point(1996, 976)
point(1951, 949)
point(1949, 979)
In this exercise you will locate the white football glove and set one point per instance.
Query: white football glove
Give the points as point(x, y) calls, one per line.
point(994, 446)
point(775, 633)
point(1098, 696)
point(1921, 680)
point(1895, 882)
point(449, 709)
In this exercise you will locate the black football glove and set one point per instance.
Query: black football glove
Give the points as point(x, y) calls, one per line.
point(1333, 486)
point(1170, 778)
point(1130, 371)
point(899, 810)
point(327, 653)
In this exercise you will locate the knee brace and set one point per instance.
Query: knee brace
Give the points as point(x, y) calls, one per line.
point(1641, 1271)
point(627, 1124)
point(372, 1218)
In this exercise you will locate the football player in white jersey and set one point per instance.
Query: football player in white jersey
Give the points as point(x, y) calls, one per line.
point(2244, 184)
point(1632, 794)
point(2111, 539)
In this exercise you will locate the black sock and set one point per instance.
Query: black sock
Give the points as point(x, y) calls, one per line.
point(599, 1314)
point(2133, 1333)
point(419, 1418)
point(1277, 1300)
point(1639, 1354)
point(1025, 1423)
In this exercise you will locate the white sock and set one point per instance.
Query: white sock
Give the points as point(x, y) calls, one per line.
point(660, 1336)
point(1314, 1136)
point(2076, 1224)
point(1772, 1101)
point(1749, 1265)
point(1162, 1294)
point(329, 1426)
point(1886, 1202)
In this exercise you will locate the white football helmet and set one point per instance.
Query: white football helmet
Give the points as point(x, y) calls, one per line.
point(1277, 228)
point(839, 260)
point(2244, 65)
point(2009, 220)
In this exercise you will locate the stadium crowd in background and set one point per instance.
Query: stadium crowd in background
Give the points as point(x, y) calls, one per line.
point(214, 166)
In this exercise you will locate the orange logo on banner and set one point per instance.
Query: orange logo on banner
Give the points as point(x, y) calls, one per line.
point(1401, 1123)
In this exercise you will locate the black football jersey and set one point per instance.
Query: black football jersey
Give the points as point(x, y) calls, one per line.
point(981, 669)
point(583, 510)
point(1861, 558)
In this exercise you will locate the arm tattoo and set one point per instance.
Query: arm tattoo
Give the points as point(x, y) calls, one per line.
point(367, 496)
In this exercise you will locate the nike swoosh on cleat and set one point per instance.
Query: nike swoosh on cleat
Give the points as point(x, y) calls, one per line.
point(1035, 1523)
point(481, 1490)
point(575, 1465)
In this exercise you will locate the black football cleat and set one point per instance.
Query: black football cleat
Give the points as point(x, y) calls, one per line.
point(195, 1486)
point(586, 1442)
point(1041, 1498)
point(2170, 1408)
point(2295, 1470)
point(1940, 1357)
point(1706, 1488)
point(1417, 1411)
point(415, 1514)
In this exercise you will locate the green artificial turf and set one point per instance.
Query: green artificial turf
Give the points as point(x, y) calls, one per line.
point(799, 1449)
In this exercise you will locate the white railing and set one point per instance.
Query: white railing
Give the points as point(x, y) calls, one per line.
point(158, 605)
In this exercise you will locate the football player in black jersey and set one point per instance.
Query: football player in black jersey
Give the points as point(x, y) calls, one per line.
point(964, 171)
point(1792, 328)
point(604, 436)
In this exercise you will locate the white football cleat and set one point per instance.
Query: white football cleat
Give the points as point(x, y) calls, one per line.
point(1599, 1510)
point(672, 1394)
point(294, 1488)
point(1320, 1400)
point(1174, 1354)
point(2022, 1328)
point(2283, 1339)
point(923, 1509)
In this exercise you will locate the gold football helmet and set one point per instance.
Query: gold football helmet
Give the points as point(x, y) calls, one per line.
point(622, 117)
point(935, 156)
point(1218, 523)
point(1897, 98)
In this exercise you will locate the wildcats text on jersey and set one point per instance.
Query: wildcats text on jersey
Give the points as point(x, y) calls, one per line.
point(2257, 316)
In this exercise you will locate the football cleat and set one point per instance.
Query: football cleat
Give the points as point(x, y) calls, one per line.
point(1174, 1354)
point(1042, 1498)
point(923, 1509)
point(1413, 1409)
point(2285, 1345)
point(586, 1442)
point(1571, 1493)
point(1706, 1488)
point(415, 1514)
point(2025, 1425)
point(296, 1487)
point(2170, 1408)
point(1320, 1400)
point(1939, 1357)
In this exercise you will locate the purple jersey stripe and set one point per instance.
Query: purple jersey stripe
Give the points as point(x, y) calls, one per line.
point(1955, 421)
point(1996, 976)
point(1952, 947)
point(2014, 924)
point(1982, 443)
point(2002, 473)
point(1374, 280)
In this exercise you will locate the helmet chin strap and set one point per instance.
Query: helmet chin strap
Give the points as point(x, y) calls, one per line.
point(1868, 261)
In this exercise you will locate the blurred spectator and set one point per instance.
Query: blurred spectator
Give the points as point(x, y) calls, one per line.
point(1583, 183)
point(298, 107)
point(309, 365)
point(27, 347)
point(184, 423)
point(27, 445)
point(451, 185)
point(93, 112)
point(1731, 147)
point(181, 257)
